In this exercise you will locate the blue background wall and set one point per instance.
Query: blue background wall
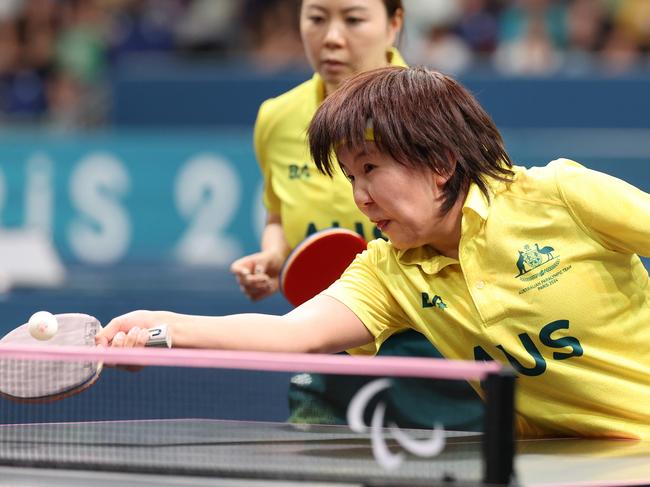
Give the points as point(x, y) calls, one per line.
point(195, 197)
point(135, 195)
point(178, 171)
point(176, 95)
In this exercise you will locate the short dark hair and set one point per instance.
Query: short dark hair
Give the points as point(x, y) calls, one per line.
point(422, 118)
point(392, 6)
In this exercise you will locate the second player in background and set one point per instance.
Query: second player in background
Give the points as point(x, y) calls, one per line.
point(341, 38)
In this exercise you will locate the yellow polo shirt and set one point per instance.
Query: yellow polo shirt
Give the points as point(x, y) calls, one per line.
point(548, 281)
point(306, 200)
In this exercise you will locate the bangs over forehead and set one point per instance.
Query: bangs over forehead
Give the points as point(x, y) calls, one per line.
point(421, 118)
point(351, 116)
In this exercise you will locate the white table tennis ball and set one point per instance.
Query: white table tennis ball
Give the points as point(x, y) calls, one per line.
point(42, 325)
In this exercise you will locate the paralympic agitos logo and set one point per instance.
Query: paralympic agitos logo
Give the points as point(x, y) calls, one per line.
point(385, 458)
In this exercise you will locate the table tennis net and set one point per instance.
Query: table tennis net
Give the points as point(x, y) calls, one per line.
point(226, 415)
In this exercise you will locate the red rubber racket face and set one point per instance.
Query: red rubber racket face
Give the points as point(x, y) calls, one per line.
point(41, 380)
point(317, 262)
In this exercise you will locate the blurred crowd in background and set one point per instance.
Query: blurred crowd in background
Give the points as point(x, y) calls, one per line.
point(57, 56)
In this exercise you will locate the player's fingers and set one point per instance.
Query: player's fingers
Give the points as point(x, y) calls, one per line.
point(254, 294)
point(131, 337)
point(142, 338)
point(258, 286)
point(253, 282)
point(136, 337)
point(257, 274)
point(242, 273)
point(243, 266)
point(258, 280)
point(254, 264)
point(119, 339)
point(253, 290)
point(237, 266)
point(123, 323)
point(111, 329)
point(241, 279)
point(248, 291)
point(263, 291)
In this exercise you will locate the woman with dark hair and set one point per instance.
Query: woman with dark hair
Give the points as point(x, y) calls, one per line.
point(341, 38)
point(534, 268)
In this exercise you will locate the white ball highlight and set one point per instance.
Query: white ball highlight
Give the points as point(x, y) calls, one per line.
point(42, 325)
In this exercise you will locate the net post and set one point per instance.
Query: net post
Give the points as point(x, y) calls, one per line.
point(499, 436)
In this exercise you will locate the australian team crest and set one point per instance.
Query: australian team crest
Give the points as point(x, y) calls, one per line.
point(535, 261)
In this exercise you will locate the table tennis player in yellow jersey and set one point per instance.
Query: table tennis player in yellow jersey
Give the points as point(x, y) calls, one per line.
point(341, 38)
point(535, 268)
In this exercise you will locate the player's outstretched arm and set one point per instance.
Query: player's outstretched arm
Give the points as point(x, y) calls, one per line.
point(321, 325)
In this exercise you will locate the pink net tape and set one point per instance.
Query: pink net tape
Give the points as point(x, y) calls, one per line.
point(263, 361)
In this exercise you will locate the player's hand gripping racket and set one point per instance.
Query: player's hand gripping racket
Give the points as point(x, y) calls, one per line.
point(44, 381)
point(317, 262)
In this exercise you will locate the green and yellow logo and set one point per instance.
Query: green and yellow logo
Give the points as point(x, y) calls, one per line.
point(434, 302)
point(534, 262)
point(537, 267)
point(299, 172)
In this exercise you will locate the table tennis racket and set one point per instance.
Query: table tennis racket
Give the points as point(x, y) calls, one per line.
point(27, 380)
point(317, 262)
